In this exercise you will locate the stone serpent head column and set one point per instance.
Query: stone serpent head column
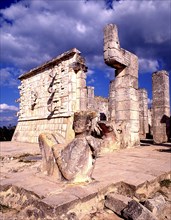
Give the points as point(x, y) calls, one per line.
point(123, 98)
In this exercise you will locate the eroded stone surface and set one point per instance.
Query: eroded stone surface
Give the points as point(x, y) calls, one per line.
point(136, 211)
point(116, 202)
point(49, 95)
point(123, 99)
point(143, 114)
point(156, 204)
point(161, 107)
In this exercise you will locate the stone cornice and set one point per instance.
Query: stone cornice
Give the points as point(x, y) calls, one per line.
point(56, 60)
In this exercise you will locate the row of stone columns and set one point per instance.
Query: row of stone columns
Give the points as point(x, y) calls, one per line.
point(127, 103)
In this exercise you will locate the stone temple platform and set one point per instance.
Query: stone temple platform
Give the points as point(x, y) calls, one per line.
point(135, 172)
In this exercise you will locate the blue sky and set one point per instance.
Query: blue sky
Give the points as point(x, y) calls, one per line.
point(35, 31)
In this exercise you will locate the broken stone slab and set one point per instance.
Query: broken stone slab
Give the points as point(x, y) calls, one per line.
point(116, 202)
point(156, 204)
point(136, 211)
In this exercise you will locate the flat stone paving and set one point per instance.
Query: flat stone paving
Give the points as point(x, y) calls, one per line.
point(133, 166)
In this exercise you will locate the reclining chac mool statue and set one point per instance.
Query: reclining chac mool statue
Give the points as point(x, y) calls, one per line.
point(74, 161)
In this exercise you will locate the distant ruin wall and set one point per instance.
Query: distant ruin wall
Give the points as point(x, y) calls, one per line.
point(49, 96)
point(101, 107)
point(97, 103)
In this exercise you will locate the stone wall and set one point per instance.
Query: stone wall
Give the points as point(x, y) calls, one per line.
point(49, 96)
point(98, 104)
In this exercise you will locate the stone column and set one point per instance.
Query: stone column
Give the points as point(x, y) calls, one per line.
point(143, 113)
point(161, 106)
point(81, 90)
point(90, 97)
point(150, 129)
point(125, 86)
point(111, 107)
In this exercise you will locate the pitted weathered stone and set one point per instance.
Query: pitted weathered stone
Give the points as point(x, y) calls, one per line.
point(90, 97)
point(49, 96)
point(123, 99)
point(143, 112)
point(161, 107)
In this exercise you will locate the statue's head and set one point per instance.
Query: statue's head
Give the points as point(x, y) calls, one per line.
point(83, 122)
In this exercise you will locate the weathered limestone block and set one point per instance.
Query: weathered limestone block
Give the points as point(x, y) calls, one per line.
point(101, 108)
point(112, 100)
point(161, 107)
point(90, 97)
point(143, 113)
point(116, 202)
point(125, 137)
point(125, 86)
point(150, 124)
point(156, 204)
point(136, 211)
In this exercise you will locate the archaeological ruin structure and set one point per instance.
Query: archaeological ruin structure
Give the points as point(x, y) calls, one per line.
point(123, 94)
point(161, 107)
point(49, 96)
point(143, 114)
point(51, 93)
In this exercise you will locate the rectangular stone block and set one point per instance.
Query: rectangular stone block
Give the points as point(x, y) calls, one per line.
point(126, 81)
point(127, 115)
point(126, 105)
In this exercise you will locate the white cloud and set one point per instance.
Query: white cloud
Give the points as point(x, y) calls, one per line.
point(147, 65)
point(8, 76)
point(149, 101)
point(8, 119)
point(5, 107)
point(33, 32)
point(81, 28)
point(90, 72)
point(91, 81)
